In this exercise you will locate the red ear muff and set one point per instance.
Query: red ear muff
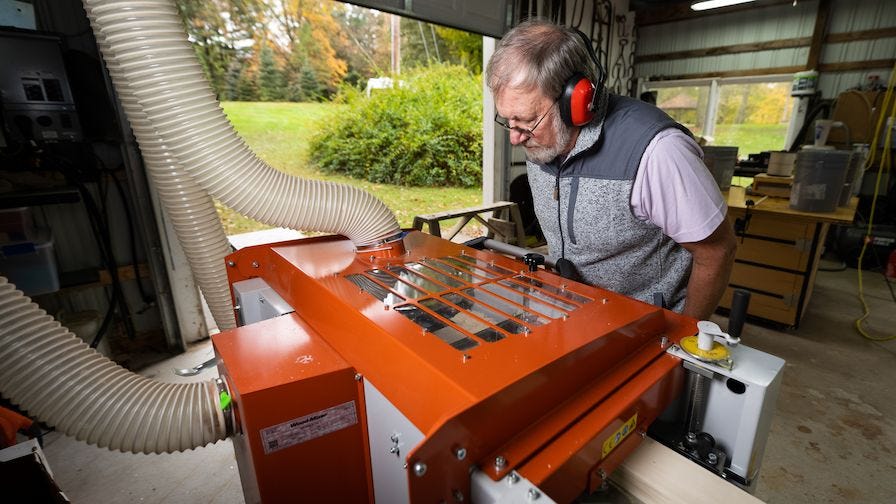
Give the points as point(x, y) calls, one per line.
point(576, 102)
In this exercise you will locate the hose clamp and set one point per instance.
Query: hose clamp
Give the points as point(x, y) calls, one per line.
point(226, 408)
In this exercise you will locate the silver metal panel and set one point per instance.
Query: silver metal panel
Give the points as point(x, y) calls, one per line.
point(257, 301)
point(392, 436)
point(759, 25)
point(740, 423)
point(862, 50)
point(857, 15)
point(511, 489)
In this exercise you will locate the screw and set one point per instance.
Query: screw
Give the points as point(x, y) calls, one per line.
point(533, 494)
point(663, 342)
point(513, 478)
point(231, 263)
point(500, 462)
point(691, 438)
point(712, 458)
point(358, 376)
point(460, 453)
point(419, 468)
point(602, 474)
point(255, 264)
point(458, 495)
point(643, 434)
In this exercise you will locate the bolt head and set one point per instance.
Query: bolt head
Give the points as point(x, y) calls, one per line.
point(460, 453)
point(255, 264)
point(533, 494)
point(419, 469)
point(500, 462)
point(712, 458)
point(458, 495)
point(358, 376)
point(513, 478)
point(231, 263)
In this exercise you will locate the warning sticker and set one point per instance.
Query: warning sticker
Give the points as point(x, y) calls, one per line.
point(308, 427)
point(620, 434)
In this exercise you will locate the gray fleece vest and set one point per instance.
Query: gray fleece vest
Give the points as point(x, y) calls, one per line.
point(591, 221)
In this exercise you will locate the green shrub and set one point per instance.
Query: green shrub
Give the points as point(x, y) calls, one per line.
point(426, 132)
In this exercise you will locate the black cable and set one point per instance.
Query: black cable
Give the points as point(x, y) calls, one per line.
point(102, 236)
point(148, 299)
point(104, 240)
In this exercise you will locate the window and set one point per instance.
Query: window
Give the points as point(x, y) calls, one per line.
point(752, 113)
point(685, 104)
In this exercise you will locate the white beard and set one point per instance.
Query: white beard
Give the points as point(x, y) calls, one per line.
point(540, 154)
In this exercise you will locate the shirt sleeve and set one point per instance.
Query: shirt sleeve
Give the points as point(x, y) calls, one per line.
point(675, 191)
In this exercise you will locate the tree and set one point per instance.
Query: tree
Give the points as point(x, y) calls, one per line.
point(271, 82)
point(216, 28)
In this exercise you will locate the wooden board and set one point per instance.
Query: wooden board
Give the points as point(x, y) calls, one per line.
point(655, 473)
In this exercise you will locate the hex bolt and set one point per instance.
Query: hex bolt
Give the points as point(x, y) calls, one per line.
point(691, 438)
point(255, 264)
point(712, 458)
point(500, 462)
point(460, 452)
point(533, 494)
point(358, 376)
point(419, 468)
point(231, 263)
point(513, 478)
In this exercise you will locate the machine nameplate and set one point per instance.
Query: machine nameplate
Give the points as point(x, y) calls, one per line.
point(308, 427)
point(620, 434)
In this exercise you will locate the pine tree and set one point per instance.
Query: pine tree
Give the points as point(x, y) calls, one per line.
point(271, 82)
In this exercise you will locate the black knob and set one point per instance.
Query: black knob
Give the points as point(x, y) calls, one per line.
point(740, 300)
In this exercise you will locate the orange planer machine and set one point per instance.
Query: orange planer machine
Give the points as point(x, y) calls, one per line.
point(425, 371)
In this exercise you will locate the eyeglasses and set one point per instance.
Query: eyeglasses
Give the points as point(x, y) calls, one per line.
point(529, 132)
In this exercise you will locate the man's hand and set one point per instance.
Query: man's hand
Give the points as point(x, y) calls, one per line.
point(713, 257)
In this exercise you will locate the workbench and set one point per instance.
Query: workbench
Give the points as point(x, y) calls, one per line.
point(778, 250)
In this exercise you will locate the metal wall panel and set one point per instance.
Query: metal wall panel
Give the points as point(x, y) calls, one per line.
point(773, 23)
point(759, 25)
point(856, 15)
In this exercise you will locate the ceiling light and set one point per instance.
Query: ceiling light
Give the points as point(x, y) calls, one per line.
point(714, 4)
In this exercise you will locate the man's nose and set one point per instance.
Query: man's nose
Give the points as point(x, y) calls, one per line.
point(517, 137)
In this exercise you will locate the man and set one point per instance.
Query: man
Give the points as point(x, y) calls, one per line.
point(624, 195)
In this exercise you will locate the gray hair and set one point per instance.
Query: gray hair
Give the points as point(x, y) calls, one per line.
point(538, 54)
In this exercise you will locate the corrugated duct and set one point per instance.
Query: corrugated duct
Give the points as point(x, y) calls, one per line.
point(192, 152)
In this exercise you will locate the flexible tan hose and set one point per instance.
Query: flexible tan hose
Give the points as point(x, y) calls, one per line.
point(59, 379)
point(146, 40)
point(192, 152)
point(190, 209)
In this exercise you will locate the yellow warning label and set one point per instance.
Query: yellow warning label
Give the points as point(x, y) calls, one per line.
point(620, 434)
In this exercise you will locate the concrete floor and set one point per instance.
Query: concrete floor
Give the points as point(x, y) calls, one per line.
point(833, 439)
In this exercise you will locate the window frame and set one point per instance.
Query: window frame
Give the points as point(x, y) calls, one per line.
point(712, 108)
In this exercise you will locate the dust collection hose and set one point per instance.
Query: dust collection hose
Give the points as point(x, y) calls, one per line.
point(57, 378)
point(192, 152)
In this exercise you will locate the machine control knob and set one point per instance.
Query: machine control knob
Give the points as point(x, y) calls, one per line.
point(533, 260)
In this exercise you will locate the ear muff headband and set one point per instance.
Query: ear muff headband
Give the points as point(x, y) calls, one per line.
point(578, 102)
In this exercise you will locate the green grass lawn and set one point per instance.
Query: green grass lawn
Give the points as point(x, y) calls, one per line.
point(751, 138)
point(279, 132)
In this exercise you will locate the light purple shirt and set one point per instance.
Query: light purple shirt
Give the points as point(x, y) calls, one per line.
point(675, 191)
